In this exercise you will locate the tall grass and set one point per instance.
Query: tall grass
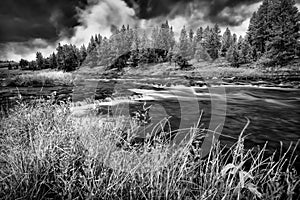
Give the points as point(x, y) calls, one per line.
point(39, 79)
point(46, 153)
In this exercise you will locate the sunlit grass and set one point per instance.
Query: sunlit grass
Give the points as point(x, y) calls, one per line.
point(43, 78)
point(46, 153)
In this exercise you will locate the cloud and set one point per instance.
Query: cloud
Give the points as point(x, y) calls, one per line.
point(23, 20)
point(35, 25)
point(26, 50)
point(100, 17)
point(148, 9)
point(42, 32)
point(236, 18)
point(230, 12)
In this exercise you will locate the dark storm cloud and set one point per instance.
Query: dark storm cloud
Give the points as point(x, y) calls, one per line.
point(212, 9)
point(147, 9)
point(23, 20)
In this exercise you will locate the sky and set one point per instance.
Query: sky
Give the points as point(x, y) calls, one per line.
point(39, 25)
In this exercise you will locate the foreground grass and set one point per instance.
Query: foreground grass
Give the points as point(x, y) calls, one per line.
point(46, 153)
point(43, 78)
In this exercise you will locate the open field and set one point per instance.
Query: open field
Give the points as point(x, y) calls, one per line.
point(47, 153)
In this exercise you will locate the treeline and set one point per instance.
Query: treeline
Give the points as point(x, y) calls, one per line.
point(67, 58)
point(129, 46)
point(272, 39)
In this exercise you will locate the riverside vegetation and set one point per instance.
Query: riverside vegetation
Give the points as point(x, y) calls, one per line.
point(46, 153)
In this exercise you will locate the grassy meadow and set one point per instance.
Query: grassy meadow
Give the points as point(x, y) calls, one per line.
point(47, 153)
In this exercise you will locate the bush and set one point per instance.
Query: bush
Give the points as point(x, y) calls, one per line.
point(264, 61)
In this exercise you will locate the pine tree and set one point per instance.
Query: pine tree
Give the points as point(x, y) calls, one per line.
point(155, 38)
point(251, 32)
point(92, 45)
point(71, 60)
point(226, 42)
point(77, 54)
point(92, 51)
point(245, 52)
point(104, 53)
point(136, 41)
point(284, 36)
point(60, 57)
point(233, 55)
point(144, 41)
point(175, 53)
point(40, 60)
point(184, 43)
point(192, 44)
point(47, 62)
point(53, 61)
point(234, 38)
point(96, 39)
point(120, 41)
point(213, 42)
point(83, 54)
point(172, 38)
point(164, 37)
point(199, 35)
point(260, 28)
point(201, 53)
point(206, 33)
point(129, 39)
point(240, 42)
point(113, 51)
point(191, 35)
point(99, 39)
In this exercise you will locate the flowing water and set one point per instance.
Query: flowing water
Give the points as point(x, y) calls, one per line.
point(274, 113)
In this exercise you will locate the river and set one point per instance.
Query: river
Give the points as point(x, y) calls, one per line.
point(274, 113)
